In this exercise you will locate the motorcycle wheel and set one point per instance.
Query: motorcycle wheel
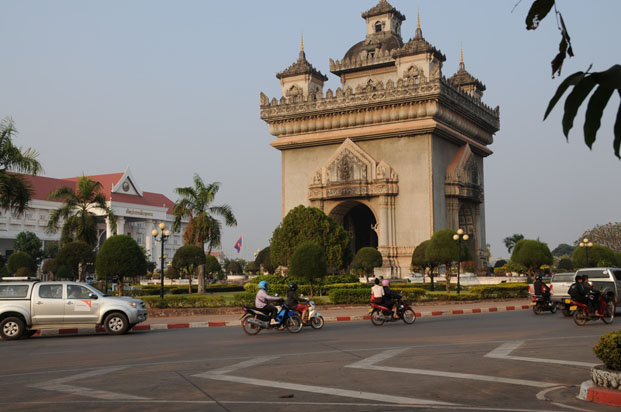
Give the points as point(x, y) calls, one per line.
point(566, 312)
point(609, 316)
point(409, 316)
point(580, 318)
point(537, 309)
point(317, 322)
point(294, 324)
point(553, 308)
point(249, 328)
point(376, 318)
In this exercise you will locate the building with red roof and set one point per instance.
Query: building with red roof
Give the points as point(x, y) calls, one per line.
point(138, 213)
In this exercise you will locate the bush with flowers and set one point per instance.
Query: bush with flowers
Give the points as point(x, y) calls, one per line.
point(608, 350)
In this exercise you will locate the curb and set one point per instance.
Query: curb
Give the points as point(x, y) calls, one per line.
point(194, 325)
point(593, 393)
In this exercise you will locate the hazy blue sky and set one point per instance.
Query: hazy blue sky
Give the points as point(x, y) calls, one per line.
point(171, 88)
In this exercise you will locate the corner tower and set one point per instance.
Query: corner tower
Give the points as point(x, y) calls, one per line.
point(393, 154)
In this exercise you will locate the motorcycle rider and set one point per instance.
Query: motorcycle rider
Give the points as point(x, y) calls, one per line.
point(262, 301)
point(377, 292)
point(293, 301)
point(578, 292)
point(592, 294)
point(390, 297)
point(542, 289)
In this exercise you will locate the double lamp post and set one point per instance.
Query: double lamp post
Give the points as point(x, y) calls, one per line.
point(586, 245)
point(163, 235)
point(458, 237)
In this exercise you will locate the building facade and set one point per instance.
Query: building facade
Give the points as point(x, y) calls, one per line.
point(138, 213)
point(396, 152)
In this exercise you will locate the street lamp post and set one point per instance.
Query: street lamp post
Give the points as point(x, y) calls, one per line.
point(458, 237)
point(163, 234)
point(586, 245)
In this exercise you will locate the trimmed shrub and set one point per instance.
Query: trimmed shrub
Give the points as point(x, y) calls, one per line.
point(608, 350)
point(151, 290)
point(434, 296)
point(503, 290)
point(21, 260)
point(332, 279)
point(342, 296)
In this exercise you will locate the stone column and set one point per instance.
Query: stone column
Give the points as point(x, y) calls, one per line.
point(120, 225)
point(108, 228)
point(148, 242)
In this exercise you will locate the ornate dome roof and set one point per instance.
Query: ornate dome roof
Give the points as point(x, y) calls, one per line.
point(418, 45)
point(301, 66)
point(463, 78)
point(381, 41)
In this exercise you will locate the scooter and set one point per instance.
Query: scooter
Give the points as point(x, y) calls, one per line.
point(605, 309)
point(541, 304)
point(253, 320)
point(381, 314)
point(310, 316)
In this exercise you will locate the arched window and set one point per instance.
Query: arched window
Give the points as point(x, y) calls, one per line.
point(378, 27)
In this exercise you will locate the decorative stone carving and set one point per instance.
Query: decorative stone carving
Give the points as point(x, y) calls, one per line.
point(605, 377)
point(462, 177)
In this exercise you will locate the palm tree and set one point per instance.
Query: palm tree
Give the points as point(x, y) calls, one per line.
point(203, 226)
point(15, 192)
point(512, 240)
point(80, 223)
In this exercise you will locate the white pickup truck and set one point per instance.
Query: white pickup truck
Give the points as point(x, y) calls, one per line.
point(30, 305)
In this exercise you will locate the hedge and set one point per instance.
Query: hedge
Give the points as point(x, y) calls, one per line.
point(150, 290)
point(503, 290)
point(197, 301)
point(342, 296)
point(437, 296)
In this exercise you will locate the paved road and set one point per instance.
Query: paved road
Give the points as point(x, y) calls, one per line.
point(508, 361)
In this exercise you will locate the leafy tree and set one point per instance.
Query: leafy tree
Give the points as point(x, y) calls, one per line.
point(531, 254)
point(76, 255)
point(76, 211)
point(563, 249)
point(512, 240)
point(120, 256)
point(597, 254)
point(203, 226)
point(566, 264)
point(64, 272)
point(19, 260)
point(443, 250)
point(50, 250)
point(583, 82)
point(366, 260)
point(264, 259)
point(500, 263)
point(29, 243)
point(187, 259)
point(50, 267)
point(212, 266)
point(310, 224)
point(234, 267)
point(24, 272)
point(608, 235)
point(308, 263)
point(171, 273)
point(419, 258)
point(253, 268)
point(15, 191)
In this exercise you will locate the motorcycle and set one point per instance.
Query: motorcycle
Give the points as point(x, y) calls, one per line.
point(381, 314)
point(253, 320)
point(541, 304)
point(605, 309)
point(310, 316)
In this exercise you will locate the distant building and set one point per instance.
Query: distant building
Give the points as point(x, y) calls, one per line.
point(396, 152)
point(138, 213)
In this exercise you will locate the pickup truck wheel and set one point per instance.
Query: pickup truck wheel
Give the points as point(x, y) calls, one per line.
point(116, 323)
point(12, 328)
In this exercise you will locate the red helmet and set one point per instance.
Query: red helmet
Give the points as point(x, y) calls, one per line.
point(385, 282)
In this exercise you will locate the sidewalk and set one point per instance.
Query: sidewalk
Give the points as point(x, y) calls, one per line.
point(338, 314)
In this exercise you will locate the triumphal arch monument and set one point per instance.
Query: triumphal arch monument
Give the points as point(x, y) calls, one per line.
point(396, 152)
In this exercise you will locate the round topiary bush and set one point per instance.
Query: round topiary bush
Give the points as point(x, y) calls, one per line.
point(608, 350)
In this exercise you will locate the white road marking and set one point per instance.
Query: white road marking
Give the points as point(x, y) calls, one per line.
point(59, 385)
point(219, 374)
point(369, 363)
point(503, 351)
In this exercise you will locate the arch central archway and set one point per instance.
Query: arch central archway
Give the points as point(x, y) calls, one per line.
point(359, 220)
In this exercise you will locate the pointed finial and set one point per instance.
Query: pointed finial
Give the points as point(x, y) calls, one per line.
point(418, 18)
point(302, 43)
point(419, 33)
point(461, 58)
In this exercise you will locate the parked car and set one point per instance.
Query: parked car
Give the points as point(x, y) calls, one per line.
point(30, 305)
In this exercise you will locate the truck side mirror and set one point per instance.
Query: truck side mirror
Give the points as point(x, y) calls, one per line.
point(93, 295)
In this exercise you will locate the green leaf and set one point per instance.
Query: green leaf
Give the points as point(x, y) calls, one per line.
point(538, 11)
point(574, 100)
point(610, 78)
point(569, 81)
point(592, 119)
point(617, 130)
